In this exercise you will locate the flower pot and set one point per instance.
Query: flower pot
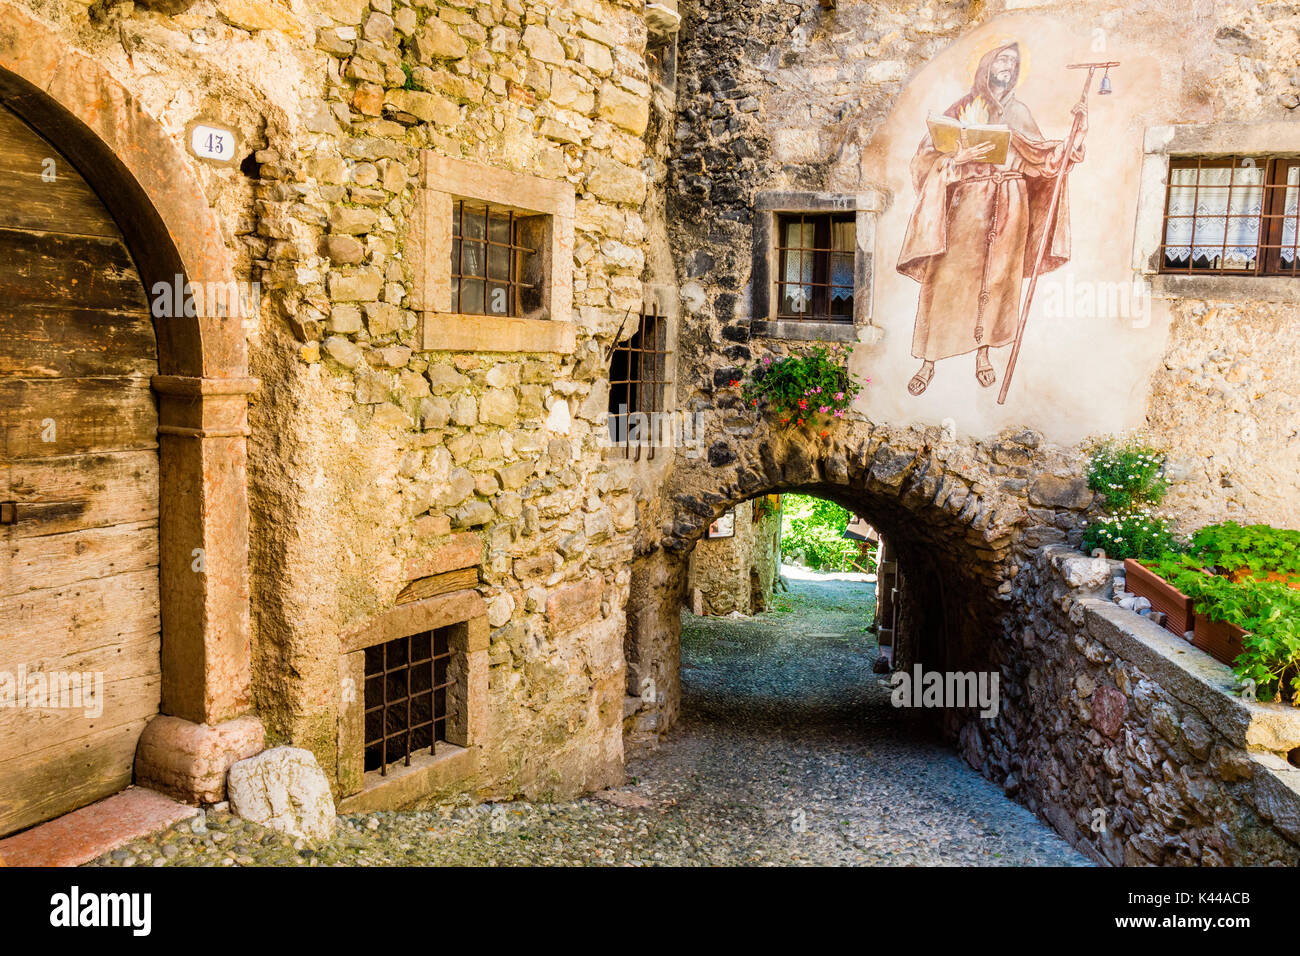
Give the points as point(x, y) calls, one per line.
point(1176, 605)
point(1219, 639)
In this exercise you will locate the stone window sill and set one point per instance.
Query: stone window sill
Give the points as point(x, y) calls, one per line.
point(404, 786)
point(805, 331)
point(447, 332)
point(1225, 288)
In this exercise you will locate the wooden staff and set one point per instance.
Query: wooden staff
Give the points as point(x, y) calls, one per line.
point(1049, 229)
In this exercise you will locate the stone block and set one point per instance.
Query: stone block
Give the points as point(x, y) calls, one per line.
point(498, 406)
point(189, 761)
point(429, 107)
point(614, 182)
point(464, 550)
point(438, 40)
point(575, 604)
point(283, 789)
point(1048, 491)
point(254, 15)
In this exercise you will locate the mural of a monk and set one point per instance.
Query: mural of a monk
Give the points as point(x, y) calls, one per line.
point(975, 232)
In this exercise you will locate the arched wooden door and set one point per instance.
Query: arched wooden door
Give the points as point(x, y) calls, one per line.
point(79, 601)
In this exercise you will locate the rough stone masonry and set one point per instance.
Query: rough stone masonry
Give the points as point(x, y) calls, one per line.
point(384, 462)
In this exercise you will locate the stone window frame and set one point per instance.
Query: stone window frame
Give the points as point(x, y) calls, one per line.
point(443, 181)
point(1162, 143)
point(667, 299)
point(768, 206)
point(362, 791)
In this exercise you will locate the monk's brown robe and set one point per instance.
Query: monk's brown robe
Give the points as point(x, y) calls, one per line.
point(976, 230)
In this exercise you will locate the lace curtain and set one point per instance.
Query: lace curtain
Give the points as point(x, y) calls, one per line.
point(1219, 215)
point(799, 265)
point(843, 240)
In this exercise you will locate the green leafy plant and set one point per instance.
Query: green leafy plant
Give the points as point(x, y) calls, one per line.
point(1268, 611)
point(1127, 473)
point(1258, 547)
point(814, 528)
point(803, 389)
point(1134, 534)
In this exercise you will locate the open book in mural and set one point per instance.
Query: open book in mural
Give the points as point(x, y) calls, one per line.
point(991, 210)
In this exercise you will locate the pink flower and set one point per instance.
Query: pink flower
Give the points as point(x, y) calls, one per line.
point(767, 360)
point(839, 396)
point(824, 409)
point(839, 413)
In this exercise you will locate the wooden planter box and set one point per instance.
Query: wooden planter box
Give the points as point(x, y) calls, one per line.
point(1219, 639)
point(1176, 605)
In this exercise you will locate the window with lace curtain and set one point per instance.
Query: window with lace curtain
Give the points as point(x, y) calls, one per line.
point(815, 278)
point(1232, 216)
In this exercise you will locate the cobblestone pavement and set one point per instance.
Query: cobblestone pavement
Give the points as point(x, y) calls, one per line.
point(789, 752)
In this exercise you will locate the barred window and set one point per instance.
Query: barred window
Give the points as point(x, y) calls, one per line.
point(406, 699)
point(815, 279)
point(495, 265)
point(638, 378)
point(1233, 215)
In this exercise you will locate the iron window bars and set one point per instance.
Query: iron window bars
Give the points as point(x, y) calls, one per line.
point(638, 378)
point(1233, 215)
point(406, 703)
point(489, 263)
point(815, 266)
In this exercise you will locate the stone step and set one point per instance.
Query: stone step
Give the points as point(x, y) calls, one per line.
point(81, 836)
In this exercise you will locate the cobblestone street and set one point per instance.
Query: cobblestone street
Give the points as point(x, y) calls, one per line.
point(789, 752)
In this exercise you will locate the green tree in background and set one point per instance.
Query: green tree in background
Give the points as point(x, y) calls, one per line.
point(812, 531)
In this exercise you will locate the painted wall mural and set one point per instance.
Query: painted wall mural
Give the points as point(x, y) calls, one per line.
point(1007, 221)
point(992, 207)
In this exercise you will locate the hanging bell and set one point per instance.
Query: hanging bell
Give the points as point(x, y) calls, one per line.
point(1105, 84)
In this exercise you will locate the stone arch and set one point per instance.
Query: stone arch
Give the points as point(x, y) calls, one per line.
point(145, 179)
point(960, 522)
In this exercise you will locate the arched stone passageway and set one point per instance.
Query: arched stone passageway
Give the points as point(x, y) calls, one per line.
point(961, 517)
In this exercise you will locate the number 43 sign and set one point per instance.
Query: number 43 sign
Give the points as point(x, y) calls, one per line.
point(212, 142)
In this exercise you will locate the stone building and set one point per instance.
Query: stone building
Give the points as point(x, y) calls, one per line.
point(735, 567)
point(316, 319)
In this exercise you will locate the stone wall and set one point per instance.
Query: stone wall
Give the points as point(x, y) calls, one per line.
point(376, 463)
point(798, 97)
point(737, 574)
point(406, 451)
point(1130, 742)
point(1225, 401)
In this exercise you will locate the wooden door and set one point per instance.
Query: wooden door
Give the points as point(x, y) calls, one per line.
point(78, 490)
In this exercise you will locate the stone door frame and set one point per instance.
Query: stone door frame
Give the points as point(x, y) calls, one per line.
point(145, 179)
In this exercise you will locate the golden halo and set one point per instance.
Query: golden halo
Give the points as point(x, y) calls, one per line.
point(973, 61)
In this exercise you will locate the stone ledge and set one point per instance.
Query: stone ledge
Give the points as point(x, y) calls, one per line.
point(485, 333)
point(406, 786)
point(1243, 288)
point(1194, 677)
point(424, 615)
point(806, 331)
point(1277, 793)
